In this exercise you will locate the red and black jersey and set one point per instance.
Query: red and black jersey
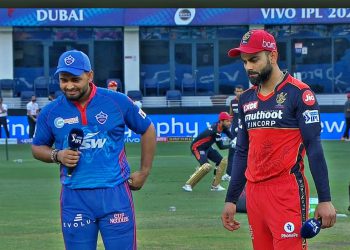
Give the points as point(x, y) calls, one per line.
point(210, 136)
point(274, 133)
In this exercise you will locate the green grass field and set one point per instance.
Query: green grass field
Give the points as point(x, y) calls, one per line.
point(29, 208)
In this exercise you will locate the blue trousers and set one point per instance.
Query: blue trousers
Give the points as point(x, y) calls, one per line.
point(110, 211)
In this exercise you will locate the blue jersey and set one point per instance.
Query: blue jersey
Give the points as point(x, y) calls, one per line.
point(103, 119)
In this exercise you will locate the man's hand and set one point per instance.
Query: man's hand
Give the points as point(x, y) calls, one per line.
point(68, 157)
point(137, 180)
point(327, 212)
point(228, 217)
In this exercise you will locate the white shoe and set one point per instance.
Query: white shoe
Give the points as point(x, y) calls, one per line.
point(217, 188)
point(187, 188)
point(226, 177)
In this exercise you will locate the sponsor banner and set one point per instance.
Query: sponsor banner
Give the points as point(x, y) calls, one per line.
point(169, 16)
point(183, 127)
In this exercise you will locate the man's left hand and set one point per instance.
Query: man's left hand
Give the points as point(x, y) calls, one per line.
point(327, 212)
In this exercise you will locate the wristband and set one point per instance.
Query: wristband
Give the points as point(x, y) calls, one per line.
point(53, 155)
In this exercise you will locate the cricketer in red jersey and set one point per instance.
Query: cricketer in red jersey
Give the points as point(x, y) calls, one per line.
point(202, 149)
point(279, 121)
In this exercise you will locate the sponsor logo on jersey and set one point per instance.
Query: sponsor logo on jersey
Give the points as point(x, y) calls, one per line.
point(101, 117)
point(78, 222)
point(289, 229)
point(119, 218)
point(90, 141)
point(59, 121)
point(250, 106)
point(265, 118)
point(311, 116)
point(309, 98)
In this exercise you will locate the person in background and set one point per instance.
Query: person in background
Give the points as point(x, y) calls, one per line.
point(32, 112)
point(201, 148)
point(3, 118)
point(96, 178)
point(347, 119)
point(234, 127)
point(279, 122)
point(112, 85)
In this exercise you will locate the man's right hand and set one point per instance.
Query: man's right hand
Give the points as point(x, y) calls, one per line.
point(228, 217)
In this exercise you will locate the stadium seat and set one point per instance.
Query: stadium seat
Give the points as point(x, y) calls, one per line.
point(7, 87)
point(135, 95)
point(188, 82)
point(173, 98)
point(21, 84)
point(41, 86)
point(54, 85)
point(26, 95)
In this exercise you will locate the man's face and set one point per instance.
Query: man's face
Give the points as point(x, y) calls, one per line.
point(226, 123)
point(33, 98)
point(75, 87)
point(257, 66)
point(238, 92)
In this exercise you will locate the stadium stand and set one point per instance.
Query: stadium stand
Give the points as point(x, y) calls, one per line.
point(7, 87)
point(41, 86)
point(173, 98)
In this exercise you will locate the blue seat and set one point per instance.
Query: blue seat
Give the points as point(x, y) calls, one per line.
point(22, 85)
point(41, 86)
point(188, 82)
point(135, 95)
point(7, 87)
point(26, 95)
point(173, 98)
point(54, 85)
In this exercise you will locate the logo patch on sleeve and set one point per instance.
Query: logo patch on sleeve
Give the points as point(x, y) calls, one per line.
point(311, 116)
point(142, 114)
point(309, 98)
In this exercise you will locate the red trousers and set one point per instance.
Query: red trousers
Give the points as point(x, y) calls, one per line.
point(276, 210)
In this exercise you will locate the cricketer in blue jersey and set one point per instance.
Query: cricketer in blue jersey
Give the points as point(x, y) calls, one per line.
point(96, 197)
point(279, 122)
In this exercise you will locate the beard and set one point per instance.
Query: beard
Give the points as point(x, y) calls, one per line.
point(79, 96)
point(261, 77)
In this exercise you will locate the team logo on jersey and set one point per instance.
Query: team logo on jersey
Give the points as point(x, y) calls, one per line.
point(281, 98)
point(309, 98)
point(69, 60)
point(250, 106)
point(311, 116)
point(101, 117)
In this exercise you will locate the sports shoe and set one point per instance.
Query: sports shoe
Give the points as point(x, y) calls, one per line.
point(217, 188)
point(226, 177)
point(187, 188)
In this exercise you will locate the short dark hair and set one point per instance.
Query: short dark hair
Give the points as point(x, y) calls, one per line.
point(239, 86)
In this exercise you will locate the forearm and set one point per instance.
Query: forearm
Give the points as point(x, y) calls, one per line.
point(318, 168)
point(148, 148)
point(42, 153)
